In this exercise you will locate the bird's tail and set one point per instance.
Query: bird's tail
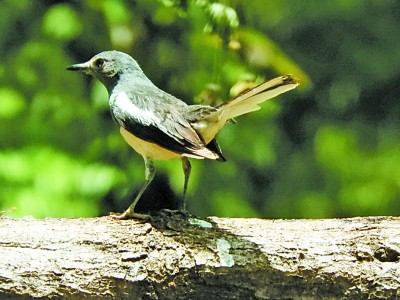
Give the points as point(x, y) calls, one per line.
point(250, 100)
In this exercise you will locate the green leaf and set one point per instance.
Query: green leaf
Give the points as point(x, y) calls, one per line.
point(12, 103)
point(61, 22)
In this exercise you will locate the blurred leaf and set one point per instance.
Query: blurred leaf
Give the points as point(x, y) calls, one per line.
point(261, 51)
point(46, 183)
point(11, 102)
point(315, 205)
point(115, 11)
point(165, 15)
point(99, 96)
point(62, 22)
point(344, 94)
point(223, 15)
point(232, 205)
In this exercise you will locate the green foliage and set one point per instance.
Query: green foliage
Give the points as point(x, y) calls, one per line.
point(330, 148)
point(43, 182)
point(12, 103)
point(61, 22)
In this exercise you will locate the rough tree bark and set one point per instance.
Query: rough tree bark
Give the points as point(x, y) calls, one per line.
point(102, 258)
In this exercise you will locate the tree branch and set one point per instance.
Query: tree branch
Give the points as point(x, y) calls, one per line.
point(102, 258)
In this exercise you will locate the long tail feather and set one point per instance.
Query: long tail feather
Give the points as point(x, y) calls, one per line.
point(250, 100)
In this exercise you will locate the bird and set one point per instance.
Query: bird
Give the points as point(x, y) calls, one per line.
point(159, 126)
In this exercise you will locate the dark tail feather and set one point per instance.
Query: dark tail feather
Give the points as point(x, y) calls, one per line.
point(214, 147)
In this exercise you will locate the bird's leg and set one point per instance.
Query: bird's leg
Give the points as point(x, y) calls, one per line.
point(186, 170)
point(130, 212)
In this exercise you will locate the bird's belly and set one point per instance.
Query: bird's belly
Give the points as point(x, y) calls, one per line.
point(147, 149)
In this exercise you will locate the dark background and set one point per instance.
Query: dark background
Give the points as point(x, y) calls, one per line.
point(330, 148)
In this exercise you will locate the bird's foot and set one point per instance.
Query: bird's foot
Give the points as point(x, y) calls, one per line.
point(130, 214)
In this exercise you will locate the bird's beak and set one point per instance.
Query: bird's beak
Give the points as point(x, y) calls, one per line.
point(83, 67)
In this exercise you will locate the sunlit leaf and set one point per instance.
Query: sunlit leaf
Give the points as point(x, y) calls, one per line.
point(11, 102)
point(62, 22)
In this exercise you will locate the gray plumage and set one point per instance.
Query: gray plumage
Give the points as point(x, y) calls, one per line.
point(160, 126)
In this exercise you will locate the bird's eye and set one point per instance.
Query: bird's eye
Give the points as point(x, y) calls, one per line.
point(99, 63)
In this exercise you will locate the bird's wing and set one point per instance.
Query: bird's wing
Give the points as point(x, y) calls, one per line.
point(149, 118)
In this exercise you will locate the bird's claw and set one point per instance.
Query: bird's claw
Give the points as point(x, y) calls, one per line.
point(128, 214)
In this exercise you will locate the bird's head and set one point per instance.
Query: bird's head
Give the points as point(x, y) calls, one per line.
point(108, 67)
